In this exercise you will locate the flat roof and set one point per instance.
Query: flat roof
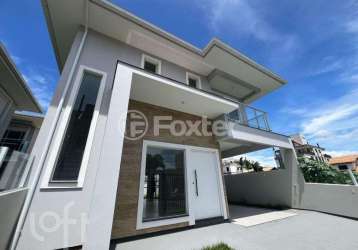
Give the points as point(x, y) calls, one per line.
point(65, 17)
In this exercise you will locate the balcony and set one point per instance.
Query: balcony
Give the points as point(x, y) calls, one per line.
point(247, 130)
point(13, 162)
point(162, 91)
point(249, 116)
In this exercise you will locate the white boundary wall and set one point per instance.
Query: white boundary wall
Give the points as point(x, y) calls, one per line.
point(329, 198)
point(270, 189)
point(10, 206)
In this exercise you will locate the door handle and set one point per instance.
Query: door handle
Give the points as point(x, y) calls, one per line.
point(196, 183)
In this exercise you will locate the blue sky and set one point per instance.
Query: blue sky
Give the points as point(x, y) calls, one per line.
point(312, 44)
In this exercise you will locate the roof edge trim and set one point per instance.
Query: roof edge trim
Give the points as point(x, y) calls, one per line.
point(109, 6)
point(17, 75)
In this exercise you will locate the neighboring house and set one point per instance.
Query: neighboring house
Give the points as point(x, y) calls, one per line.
point(22, 131)
point(345, 162)
point(14, 93)
point(15, 146)
point(234, 167)
point(309, 151)
point(231, 167)
point(103, 180)
point(20, 121)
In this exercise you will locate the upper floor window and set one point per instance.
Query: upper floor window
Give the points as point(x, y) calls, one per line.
point(151, 64)
point(193, 80)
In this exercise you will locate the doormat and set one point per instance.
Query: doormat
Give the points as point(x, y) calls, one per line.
point(262, 218)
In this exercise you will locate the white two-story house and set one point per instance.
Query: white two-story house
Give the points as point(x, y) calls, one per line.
point(134, 136)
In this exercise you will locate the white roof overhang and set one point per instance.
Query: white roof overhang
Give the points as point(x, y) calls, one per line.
point(14, 85)
point(164, 92)
point(35, 118)
point(66, 16)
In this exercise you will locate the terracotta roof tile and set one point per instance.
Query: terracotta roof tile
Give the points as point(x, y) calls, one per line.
point(344, 159)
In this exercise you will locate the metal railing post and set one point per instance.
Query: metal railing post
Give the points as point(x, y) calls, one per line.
point(242, 113)
point(266, 122)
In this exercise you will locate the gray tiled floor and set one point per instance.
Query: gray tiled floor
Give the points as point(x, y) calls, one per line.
point(308, 230)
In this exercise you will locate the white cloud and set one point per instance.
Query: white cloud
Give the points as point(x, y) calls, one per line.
point(40, 79)
point(352, 26)
point(352, 78)
point(327, 117)
point(294, 110)
point(18, 60)
point(336, 153)
point(246, 19)
point(241, 17)
point(328, 66)
point(41, 86)
point(334, 123)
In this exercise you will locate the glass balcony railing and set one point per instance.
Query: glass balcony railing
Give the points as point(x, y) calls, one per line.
point(13, 164)
point(249, 116)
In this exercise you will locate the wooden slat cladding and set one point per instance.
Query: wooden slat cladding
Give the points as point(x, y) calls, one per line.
point(125, 214)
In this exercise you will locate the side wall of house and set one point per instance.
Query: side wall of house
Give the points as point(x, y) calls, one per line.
point(125, 217)
point(10, 207)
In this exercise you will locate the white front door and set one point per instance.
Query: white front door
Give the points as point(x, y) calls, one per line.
point(204, 178)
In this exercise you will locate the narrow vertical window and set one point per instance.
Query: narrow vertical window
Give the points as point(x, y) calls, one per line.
point(69, 160)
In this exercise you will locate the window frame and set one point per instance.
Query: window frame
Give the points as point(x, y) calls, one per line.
point(62, 129)
point(26, 131)
point(162, 221)
point(150, 59)
point(193, 76)
point(186, 213)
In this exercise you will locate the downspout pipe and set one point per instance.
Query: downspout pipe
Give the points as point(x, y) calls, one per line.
point(37, 174)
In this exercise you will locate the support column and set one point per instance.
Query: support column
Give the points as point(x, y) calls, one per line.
point(103, 200)
point(291, 163)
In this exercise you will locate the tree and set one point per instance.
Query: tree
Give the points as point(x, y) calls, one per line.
point(319, 172)
point(257, 167)
point(247, 164)
point(241, 161)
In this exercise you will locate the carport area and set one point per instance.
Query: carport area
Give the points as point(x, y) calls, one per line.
point(305, 230)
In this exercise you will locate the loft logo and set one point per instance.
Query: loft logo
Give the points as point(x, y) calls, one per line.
point(137, 125)
point(49, 222)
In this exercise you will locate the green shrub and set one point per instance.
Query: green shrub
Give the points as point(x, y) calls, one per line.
point(319, 172)
point(220, 246)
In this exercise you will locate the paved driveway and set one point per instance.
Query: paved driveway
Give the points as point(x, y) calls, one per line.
point(307, 230)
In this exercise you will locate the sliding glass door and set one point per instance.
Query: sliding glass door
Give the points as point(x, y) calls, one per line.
point(164, 184)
